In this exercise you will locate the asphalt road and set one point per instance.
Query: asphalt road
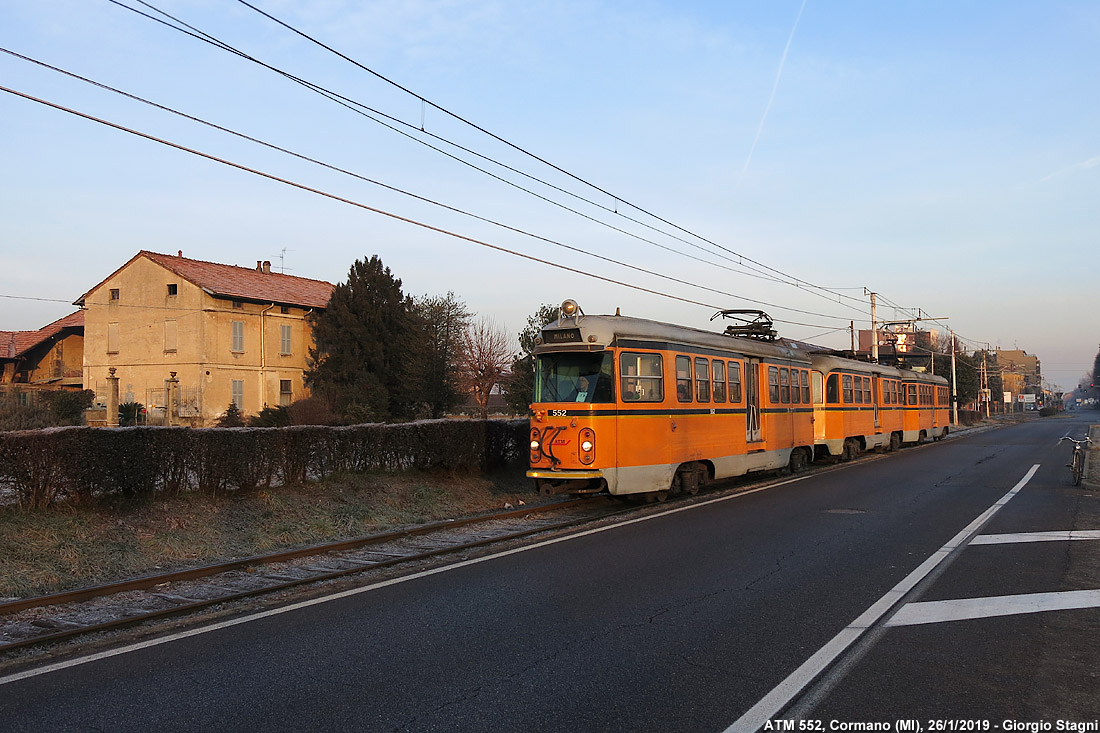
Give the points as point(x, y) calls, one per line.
point(728, 614)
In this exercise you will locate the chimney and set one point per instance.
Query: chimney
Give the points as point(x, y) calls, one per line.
point(259, 266)
point(267, 267)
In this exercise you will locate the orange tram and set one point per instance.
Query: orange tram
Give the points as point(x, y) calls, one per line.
point(633, 406)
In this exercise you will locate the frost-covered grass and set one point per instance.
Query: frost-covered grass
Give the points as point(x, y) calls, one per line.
point(48, 551)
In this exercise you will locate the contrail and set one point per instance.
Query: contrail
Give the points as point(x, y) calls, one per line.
point(1090, 163)
point(775, 86)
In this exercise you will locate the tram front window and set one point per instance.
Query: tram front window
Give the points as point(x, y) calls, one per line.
point(575, 377)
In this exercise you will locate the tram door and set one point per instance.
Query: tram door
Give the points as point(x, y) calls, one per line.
point(876, 396)
point(752, 401)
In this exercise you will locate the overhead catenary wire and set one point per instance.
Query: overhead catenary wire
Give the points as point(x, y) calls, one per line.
point(409, 193)
point(367, 111)
point(373, 209)
point(790, 280)
point(518, 148)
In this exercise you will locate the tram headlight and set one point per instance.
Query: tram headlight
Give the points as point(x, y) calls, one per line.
point(569, 308)
point(587, 445)
point(536, 446)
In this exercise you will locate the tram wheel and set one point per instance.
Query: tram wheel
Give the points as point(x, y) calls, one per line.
point(798, 461)
point(653, 497)
point(895, 441)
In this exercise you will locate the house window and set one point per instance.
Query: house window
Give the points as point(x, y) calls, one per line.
point(169, 335)
point(238, 337)
point(285, 310)
point(172, 288)
point(238, 393)
point(238, 304)
point(112, 338)
point(284, 392)
point(114, 295)
point(284, 340)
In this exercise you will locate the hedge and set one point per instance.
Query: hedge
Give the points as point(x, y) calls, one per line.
point(84, 465)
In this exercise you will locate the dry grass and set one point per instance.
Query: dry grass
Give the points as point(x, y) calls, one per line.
point(47, 551)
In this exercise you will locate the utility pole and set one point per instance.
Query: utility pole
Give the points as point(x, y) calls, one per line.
point(985, 383)
point(852, 330)
point(954, 385)
point(874, 325)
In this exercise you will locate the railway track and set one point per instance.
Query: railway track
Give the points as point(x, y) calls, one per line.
point(57, 617)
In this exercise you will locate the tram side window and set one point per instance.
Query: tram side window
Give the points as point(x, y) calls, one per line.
point(912, 394)
point(718, 373)
point(773, 385)
point(805, 387)
point(702, 380)
point(683, 378)
point(866, 390)
point(832, 389)
point(785, 386)
point(796, 393)
point(735, 381)
point(642, 377)
point(847, 381)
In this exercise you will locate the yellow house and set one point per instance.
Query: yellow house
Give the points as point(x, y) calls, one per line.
point(199, 335)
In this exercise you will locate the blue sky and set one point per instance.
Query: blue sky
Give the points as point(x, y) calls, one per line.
point(943, 154)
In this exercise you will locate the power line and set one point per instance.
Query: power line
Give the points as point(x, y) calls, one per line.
point(510, 144)
point(367, 111)
point(791, 280)
point(367, 207)
point(402, 191)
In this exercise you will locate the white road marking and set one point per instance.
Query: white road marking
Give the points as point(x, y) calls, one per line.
point(770, 705)
point(962, 609)
point(58, 666)
point(1059, 536)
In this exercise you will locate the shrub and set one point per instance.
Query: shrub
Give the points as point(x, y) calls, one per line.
point(68, 407)
point(1047, 411)
point(231, 418)
point(86, 465)
point(270, 417)
point(130, 413)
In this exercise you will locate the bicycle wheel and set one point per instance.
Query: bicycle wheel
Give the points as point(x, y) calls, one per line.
point(1078, 467)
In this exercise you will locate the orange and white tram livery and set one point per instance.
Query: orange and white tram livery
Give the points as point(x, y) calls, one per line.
point(633, 406)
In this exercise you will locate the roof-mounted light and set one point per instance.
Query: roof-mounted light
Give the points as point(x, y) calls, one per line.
point(570, 309)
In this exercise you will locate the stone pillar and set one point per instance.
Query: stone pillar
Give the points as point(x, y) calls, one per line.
point(112, 399)
point(173, 398)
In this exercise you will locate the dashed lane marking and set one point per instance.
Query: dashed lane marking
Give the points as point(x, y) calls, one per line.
point(963, 609)
point(1059, 536)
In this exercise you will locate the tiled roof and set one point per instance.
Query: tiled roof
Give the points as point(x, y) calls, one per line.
point(241, 283)
point(27, 340)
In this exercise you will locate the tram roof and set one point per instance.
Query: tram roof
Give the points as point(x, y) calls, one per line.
point(611, 329)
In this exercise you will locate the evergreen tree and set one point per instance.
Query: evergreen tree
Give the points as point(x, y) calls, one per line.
point(361, 359)
point(520, 385)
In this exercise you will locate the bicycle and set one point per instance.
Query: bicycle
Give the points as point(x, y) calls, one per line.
point(1077, 463)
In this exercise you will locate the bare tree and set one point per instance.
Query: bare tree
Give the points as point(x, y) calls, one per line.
point(485, 357)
